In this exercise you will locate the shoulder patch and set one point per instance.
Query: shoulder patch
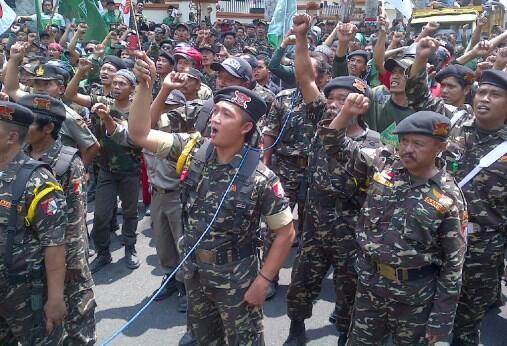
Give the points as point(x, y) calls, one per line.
point(439, 207)
point(278, 190)
point(383, 178)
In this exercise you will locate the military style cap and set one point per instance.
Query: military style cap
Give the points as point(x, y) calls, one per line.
point(244, 98)
point(29, 68)
point(176, 98)
point(192, 72)
point(167, 56)
point(213, 49)
point(426, 123)
point(250, 59)
point(49, 72)
point(115, 61)
point(463, 74)
point(361, 53)
point(351, 83)
point(237, 67)
point(45, 105)
point(494, 77)
point(404, 63)
point(15, 114)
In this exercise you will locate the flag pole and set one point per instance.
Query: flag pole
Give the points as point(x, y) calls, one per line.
point(135, 26)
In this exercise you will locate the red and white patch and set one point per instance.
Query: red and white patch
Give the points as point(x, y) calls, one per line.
point(49, 207)
point(77, 187)
point(278, 190)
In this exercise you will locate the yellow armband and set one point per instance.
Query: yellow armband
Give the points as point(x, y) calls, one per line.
point(183, 160)
point(38, 196)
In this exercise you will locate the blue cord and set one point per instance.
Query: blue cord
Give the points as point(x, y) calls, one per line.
point(208, 227)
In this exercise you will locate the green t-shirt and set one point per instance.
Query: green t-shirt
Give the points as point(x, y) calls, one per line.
point(46, 19)
point(383, 114)
point(111, 18)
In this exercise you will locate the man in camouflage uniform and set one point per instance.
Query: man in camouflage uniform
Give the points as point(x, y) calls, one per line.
point(330, 215)
point(231, 44)
point(261, 44)
point(69, 170)
point(51, 80)
point(224, 285)
point(456, 77)
point(411, 231)
point(32, 256)
point(486, 197)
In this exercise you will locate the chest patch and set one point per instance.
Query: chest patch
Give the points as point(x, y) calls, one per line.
point(439, 207)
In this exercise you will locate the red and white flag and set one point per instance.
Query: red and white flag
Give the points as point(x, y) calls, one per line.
point(7, 17)
point(126, 10)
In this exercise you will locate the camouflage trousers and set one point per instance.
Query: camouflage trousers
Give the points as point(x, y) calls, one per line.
point(19, 323)
point(480, 285)
point(376, 317)
point(326, 241)
point(80, 321)
point(220, 316)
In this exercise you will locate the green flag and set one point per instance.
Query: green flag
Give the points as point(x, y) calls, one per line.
point(85, 11)
point(38, 11)
point(281, 22)
point(388, 137)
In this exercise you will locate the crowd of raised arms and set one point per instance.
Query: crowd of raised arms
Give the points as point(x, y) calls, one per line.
point(390, 142)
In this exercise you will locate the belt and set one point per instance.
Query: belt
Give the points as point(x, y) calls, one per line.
point(476, 228)
point(161, 190)
point(223, 256)
point(401, 274)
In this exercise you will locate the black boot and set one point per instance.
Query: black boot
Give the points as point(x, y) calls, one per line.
point(187, 340)
point(103, 258)
point(342, 339)
point(297, 334)
point(182, 297)
point(131, 257)
point(168, 289)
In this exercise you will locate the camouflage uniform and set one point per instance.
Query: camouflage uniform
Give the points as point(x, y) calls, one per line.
point(420, 98)
point(18, 322)
point(118, 176)
point(80, 299)
point(266, 94)
point(217, 312)
point(263, 47)
point(486, 197)
point(210, 80)
point(412, 245)
point(328, 229)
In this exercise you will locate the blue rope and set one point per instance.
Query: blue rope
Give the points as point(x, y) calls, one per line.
point(208, 227)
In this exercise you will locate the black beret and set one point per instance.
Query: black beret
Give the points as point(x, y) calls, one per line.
point(426, 123)
point(15, 114)
point(463, 74)
point(359, 52)
point(494, 77)
point(167, 56)
point(351, 83)
point(45, 105)
point(49, 72)
point(115, 61)
point(244, 98)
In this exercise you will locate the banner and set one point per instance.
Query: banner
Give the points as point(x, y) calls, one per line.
point(7, 16)
point(85, 11)
point(281, 22)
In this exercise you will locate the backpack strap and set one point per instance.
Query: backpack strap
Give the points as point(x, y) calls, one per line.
point(64, 160)
point(204, 114)
point(18, 188)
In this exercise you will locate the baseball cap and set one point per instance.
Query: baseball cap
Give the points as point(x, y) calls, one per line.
point(237, 67)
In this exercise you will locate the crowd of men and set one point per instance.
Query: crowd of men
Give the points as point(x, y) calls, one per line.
point(392, 146)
